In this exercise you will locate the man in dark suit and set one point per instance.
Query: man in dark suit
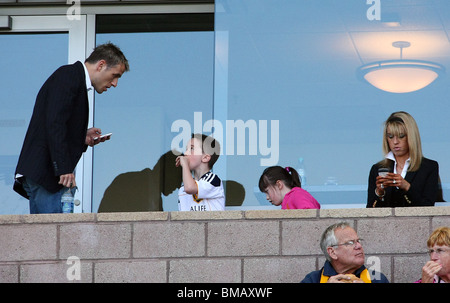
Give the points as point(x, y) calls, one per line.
point(57, 134)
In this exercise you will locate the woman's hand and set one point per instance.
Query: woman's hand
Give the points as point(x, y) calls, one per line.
point(430, 269)
point(380, 185)
point(395, 180)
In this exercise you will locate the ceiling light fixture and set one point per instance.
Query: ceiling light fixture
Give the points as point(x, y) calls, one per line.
point(401, 76)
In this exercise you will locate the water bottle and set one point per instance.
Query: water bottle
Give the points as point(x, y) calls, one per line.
point(67, 201)
point(302, 171)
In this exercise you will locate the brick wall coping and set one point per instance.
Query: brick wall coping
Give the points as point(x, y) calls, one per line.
point(227, 215)
point(225, 246)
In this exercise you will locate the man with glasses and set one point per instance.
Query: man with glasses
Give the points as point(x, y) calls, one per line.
point(345, 258)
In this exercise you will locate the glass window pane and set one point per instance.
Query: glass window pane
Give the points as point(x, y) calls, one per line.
point(170, 78)
point(297, 63)
point(26, 61)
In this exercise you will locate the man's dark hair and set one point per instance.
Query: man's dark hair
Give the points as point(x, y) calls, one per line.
point(110, 53)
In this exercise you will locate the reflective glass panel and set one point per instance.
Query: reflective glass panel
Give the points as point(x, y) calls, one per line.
point(170, 79)
point(297, 62)
point(26, 61)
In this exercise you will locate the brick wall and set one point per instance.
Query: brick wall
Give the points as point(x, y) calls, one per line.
point(228, 246)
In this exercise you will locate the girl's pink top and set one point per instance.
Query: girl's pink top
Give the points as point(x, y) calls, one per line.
point(298, 198)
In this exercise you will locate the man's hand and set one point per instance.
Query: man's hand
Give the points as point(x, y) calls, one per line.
point(341, 278)
point(92, 133)
point(67, 180)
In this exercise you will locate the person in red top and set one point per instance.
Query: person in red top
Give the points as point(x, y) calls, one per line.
point(437, 270)
point(282, 186)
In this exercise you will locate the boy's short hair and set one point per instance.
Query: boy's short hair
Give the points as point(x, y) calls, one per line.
point(210, 146)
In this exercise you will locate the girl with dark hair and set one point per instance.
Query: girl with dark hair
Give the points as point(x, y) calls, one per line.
point(282, 186)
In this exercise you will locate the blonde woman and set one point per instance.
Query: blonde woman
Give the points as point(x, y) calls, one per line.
point(409, 179)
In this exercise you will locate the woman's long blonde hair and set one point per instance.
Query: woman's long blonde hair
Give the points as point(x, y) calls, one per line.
point(403, 123)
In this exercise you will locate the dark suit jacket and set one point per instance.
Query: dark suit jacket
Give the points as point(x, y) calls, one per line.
point(55, 139)
point(423, 191)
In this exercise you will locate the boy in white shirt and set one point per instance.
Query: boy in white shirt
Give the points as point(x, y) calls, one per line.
point(203, 191)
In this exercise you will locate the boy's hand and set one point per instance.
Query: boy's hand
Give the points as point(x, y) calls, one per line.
point(181, 161)
point(190, 186)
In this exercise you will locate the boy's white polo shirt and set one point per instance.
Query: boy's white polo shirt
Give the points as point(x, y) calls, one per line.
point(210, 195)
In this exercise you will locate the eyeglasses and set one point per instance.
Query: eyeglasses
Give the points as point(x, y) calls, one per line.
point(350, 243)
point(438, 251)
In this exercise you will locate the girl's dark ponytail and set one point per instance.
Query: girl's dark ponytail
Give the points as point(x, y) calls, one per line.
point(272, 174)
point(295, 178)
